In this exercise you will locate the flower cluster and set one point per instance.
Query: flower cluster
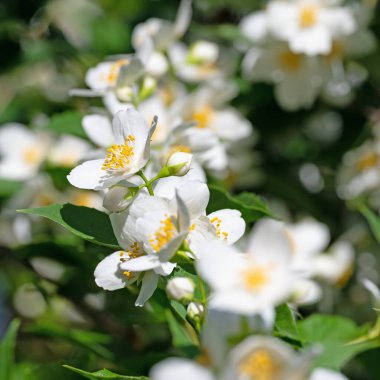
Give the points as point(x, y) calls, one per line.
point(305, 48)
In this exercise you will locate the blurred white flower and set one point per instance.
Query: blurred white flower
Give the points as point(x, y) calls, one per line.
point(22, 151)
point(326, 374)
point(252, 283)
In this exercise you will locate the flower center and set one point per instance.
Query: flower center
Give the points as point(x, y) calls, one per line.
point(217, 222)
point(31, 155)
point(164, 234)
point(203, 116)
point(119, 156)
point(115, 69)
point(367, 161)
point(290, 61)
point(259, 366)
point(308, 16)
point(255, 278)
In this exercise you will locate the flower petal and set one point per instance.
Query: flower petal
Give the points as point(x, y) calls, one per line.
point(98, 129)
point(149, 285)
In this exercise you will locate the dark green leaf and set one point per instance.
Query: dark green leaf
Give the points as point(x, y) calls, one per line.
point(85, 222)
point(250, 205)
point(372, 219)
point(104, 374)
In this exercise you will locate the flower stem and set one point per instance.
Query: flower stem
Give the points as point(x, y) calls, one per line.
point(148, 183)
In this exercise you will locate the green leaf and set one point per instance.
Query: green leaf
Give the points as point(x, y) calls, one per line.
point(340, 338)
point(87, 223)
point(8, 188)
point(104, 374)
point(7, 348)
point(285, 324)
point(69, 122)
point(250, 205)
point(372, 219)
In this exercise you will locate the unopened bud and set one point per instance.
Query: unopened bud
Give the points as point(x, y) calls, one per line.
point(203, 52)
point(125, 93)
point(195, 311)
point(179, 163)
point(148, 86)
point(180, 289)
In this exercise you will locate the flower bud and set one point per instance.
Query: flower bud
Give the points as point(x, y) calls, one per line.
point(195, 311)
point(180, 289)
point(147, 88)
point(203, 52)
point(119, 198)
point(179, 163)
point(125, 93)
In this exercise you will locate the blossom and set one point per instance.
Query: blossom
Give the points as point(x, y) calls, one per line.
point(123, 159)
point(22, 151)
point(326, 374)
point(309, 26)
point(298, 79)
point(179, 163)
point(252, 283)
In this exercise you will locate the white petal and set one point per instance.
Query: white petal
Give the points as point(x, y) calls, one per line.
point(88, 175)
point(98, 129)
point(149, 285)
point(326, 374)
point(140, 264)
point(183, 369)
point(195, 195)
point(232, 225)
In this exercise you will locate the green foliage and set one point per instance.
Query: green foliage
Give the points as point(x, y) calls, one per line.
point(372, 219)
point(104, 374)
point(340, 339)
point(7, 348)
point(87, 223)
point(68, 122)
point(250, 205)
point(285, 325)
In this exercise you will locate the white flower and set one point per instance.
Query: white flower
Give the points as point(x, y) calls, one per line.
point(255, 26)
point(68, 151)
point(125, 158)
point(336, 266)
point(298, 79)
point(252, 283)
point(180, 288)
point(309, 26)
point(22, 151)
point(179, 163)
point(326, 374)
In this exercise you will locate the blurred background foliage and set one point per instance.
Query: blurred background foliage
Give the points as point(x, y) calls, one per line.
point(46, 48)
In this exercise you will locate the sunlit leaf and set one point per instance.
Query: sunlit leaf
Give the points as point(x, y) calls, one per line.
point(104, 374)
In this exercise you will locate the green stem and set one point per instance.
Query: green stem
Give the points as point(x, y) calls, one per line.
point(148, 183)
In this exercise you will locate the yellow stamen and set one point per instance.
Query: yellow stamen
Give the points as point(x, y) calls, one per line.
point(128, 274)
point(115, 70)
point(255, 277)
point(367, 161)
point(203, 116)
point(290, 61)
point(163, 235)
point(119, 156)
point(259, 366)
point(31, 155)
point(83, 199)
point(217, 222)
point(308, 16)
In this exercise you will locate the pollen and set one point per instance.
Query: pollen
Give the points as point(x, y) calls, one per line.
point(367, 161)
point(290, 61)
point(203, 116)
point(308, 16)
point(31, 155)
point(255, 278)
point(119, 156)
point(135, 251)
point(259, 366)
point(217, 223)
point(163, 235)
point(128, 274)
point(115, 70)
